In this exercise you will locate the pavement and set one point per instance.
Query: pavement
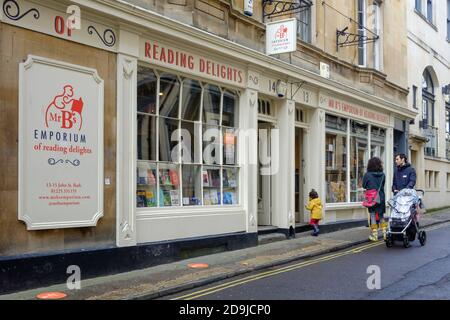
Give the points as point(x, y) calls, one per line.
point(168, 279)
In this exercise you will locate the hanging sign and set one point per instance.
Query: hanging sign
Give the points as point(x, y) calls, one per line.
point(281, 36)
point(60, 145)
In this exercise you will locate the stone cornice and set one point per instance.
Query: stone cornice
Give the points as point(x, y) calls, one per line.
point(126, 12)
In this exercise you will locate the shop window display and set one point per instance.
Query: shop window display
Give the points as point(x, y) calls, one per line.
point(172, 169)
point(344, 136)
point(336, 159)
point(359, 156)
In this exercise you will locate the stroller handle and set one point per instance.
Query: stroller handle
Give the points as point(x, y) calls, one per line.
point(420, 190)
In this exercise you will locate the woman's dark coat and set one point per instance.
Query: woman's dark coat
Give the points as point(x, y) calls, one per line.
point(372, 180)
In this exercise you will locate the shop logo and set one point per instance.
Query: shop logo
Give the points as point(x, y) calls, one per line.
point(282, 32)
point(64, 112)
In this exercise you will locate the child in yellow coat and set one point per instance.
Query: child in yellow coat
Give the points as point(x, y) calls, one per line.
point(315, 206)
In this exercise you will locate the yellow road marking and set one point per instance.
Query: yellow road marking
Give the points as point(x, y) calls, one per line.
point(201, 293)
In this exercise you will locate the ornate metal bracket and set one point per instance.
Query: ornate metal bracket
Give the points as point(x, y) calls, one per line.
point(298, 85)
point(274, 8)
point(352, 39)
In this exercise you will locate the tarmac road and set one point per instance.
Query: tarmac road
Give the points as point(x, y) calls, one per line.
point(413, 273)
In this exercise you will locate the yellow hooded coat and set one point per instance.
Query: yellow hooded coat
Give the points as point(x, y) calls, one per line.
point(315, 206)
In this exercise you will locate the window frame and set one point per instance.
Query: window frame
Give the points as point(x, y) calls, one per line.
point(180, 163)
point(348, 154)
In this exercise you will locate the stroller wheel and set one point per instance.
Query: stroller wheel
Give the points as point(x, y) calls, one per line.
point(405, 241)
point(389, 241)
point(422, 237)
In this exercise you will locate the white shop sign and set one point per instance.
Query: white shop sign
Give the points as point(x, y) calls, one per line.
point(66, 22)
point(60, 145)
point(281, 36)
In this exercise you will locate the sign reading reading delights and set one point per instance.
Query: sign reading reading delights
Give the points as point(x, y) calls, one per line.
point(60, 145)
point(168, 56)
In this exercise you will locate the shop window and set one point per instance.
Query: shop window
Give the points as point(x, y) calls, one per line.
point(146, 136)
point(211, 185)
point(169, 96)
point(359, 156)
point(146, 92)
point(336, 159)
point(211, 105)
point(192, 185)
point(378, 143)
point(168, 139)
point(186, 150)
point(191, 100)
point(342, 136)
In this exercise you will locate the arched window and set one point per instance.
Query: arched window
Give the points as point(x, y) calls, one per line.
point(428, 99)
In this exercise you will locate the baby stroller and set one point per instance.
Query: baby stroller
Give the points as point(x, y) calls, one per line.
point(403, 220)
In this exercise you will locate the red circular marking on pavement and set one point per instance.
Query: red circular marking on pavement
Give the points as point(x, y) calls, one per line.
point(198, 265)
point(51, 295)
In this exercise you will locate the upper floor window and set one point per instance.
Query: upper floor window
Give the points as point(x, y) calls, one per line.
point(448, 19)
point(428, 99)
point(362, 32)
point(430, 10)
point(425, 7)
point(304, 24)
point(414, 92)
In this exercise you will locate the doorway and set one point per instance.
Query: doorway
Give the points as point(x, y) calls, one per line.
point(264, 176)
point(299, 177)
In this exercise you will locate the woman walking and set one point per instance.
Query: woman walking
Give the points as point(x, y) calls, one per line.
point(375, 179)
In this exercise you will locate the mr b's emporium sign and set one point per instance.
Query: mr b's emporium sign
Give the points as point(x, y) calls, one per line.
point(60, 145)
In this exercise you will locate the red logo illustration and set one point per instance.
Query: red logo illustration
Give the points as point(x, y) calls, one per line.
point(282, 32)
point(65, 112)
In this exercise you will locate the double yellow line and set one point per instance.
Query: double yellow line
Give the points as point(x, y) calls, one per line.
point(204, 292)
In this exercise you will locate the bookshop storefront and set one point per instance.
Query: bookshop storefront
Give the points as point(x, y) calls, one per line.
point(353, 135)
point(184, 160)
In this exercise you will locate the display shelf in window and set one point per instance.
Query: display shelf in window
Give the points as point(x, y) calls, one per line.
point(212, 190)
point(169, 185)
point(192, 187)
point(146, 186)
point(230, 186)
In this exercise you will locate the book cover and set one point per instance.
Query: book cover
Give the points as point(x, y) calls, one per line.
point(151, 177)
point(215, 178)
point(214, 197)
point(141, 200)
point(174, 198)
point(142, 176)
point(151, 200)
point(205, 178)
point(206, 198)
point(167, 199)
point(174, 177)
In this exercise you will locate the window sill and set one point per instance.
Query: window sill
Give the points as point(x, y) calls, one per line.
point(420, 14)
point(344, 206)
point(189, 210)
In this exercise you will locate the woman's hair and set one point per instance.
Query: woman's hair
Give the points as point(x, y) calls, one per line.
point(313, 194)
point(375, 165)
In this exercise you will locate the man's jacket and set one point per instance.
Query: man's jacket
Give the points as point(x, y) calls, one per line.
point(404, 178)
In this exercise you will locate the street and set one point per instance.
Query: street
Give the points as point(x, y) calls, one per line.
point(413, 273)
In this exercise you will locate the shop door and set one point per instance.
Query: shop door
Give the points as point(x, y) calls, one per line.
point(264, 180)
point(299, 176)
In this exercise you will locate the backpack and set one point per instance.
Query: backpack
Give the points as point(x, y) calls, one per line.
point(372, 196)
